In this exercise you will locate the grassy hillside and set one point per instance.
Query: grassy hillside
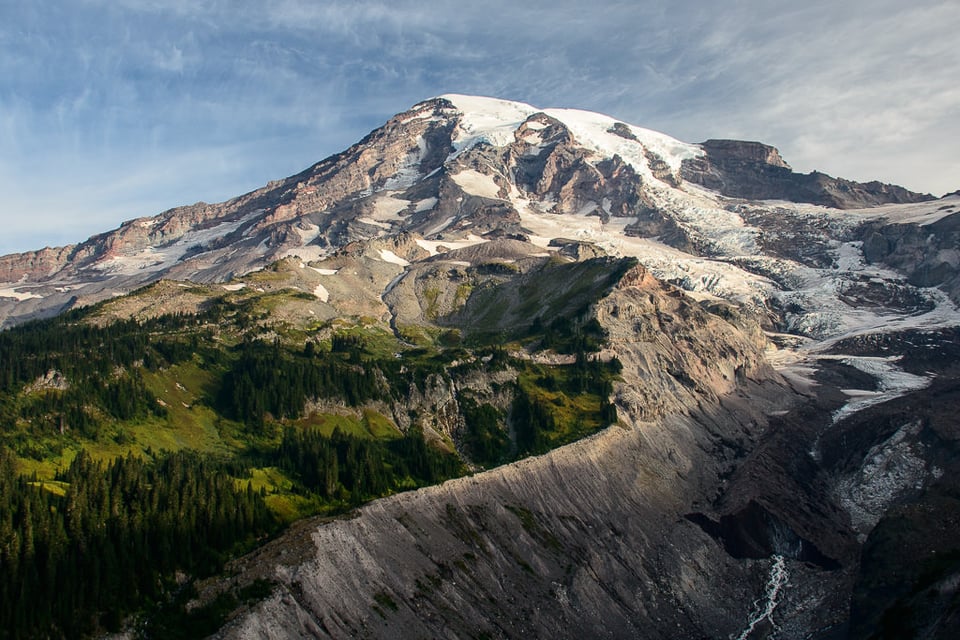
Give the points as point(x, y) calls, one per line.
point(279, 412)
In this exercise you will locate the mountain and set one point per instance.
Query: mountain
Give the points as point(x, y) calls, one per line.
point(434, 171)
point(700, 395)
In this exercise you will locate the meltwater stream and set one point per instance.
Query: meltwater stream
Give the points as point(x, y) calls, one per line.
point(763, 608)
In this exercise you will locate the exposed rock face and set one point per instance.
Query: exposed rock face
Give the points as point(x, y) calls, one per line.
point(744, 151)
point(756, 171)
point(552, 546)
point(588, 539)
point(928, 254)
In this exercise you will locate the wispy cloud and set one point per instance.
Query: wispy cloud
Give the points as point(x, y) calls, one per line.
point(851, 92)
point(163, 97)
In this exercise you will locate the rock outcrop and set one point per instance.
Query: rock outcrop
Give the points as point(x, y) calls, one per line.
point(755, 171)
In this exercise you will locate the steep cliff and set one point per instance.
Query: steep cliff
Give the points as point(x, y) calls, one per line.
point(756, 171)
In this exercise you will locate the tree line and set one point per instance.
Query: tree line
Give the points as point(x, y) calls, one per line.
point(86, 374)
point(77, 563)
point(341, 467)
point(266, 379)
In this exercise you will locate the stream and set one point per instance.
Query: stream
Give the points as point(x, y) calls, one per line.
point(763, 608)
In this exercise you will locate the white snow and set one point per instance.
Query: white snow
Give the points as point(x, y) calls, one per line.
point(440, 227)
point(850, 257)
point(11, 292)
point(495, 121)
point(234, 287)
point(409, 170)
point(701, 277)
point(487, 120)
point(889, 468)
point(310, 253)
point(592, 130)
point(388, 207)
point(892, 382)
point(425, 113)
point(476, 183)
point(944, 314)
point(921, 213)
point(321, 292)
point(325, 272)
point(426, 204)
point(307, 232)
point(725, 231)
point(154, 259)
point(533, 139)
point(389, 256)
point(433, 246)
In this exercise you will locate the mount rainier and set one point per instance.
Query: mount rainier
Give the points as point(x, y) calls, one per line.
point(784, 461)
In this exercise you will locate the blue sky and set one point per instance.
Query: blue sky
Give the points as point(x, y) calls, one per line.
point(115, 109)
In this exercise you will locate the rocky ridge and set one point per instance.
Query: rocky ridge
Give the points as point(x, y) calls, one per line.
point(755, 171)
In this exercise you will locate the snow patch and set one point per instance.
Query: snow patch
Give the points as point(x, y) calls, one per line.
point(234, 287)
point(850, 257)
point(307, 232)
point(155, 259)
point(593, 131)
point(425, 205)
point(433, 246)
point(321, 292)
point(325, 272)
point(389, 256)
point(701, 277)
point(488, 120)
point(310, 253)
point(892, 382)
point(426, 115)
point(587, 209)
point(20, 296)
point(533, 139)
point(476, 183)
point(408, 172)
point(388, 207)
point(495, 121)
point(374, 223)
point(921, 213)
point(440, 227)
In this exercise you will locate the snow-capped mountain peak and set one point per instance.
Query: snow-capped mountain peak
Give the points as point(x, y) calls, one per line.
point(496, 122)
point(466, 168)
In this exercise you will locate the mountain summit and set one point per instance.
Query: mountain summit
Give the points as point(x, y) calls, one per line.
point(454, 167)
point(700, 394)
